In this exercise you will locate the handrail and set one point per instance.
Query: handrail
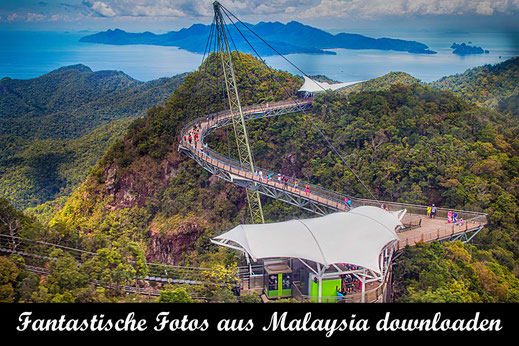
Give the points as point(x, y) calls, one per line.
point(320, 194)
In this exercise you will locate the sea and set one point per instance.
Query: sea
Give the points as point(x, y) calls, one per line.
point(30, 54)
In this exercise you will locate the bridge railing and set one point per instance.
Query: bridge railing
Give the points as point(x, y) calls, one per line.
point(415, 213)
point(329, 195)
point(215, 118)
point(333, 199)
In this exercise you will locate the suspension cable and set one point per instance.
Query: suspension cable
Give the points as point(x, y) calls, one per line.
point(227, 12)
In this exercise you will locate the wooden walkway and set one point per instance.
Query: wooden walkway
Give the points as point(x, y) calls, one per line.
point(419, 228)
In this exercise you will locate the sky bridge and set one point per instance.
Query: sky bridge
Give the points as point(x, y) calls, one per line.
point(405, 224)
point(344, 254)
point(416, 225)
point(319, 200)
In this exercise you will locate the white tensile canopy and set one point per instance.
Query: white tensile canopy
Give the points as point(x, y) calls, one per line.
point(355, 237)
point(311, 85)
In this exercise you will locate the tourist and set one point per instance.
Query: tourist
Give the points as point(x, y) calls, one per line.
point(429, 211)
point(307, 189)
point(449, 217)
point(433, 211)
point(455, 217)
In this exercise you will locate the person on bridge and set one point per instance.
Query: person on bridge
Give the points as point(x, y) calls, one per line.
point(429, 211)
point(307, 189)
point(433, 211)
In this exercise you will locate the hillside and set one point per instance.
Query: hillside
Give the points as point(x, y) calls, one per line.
point(55, 127)
point(43, 170)
point(289, 38)
point(71, 101)
point(493, 86)
point(380, 83)
point(409, 143)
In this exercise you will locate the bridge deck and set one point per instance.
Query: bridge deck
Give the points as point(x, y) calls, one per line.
point(418, 226)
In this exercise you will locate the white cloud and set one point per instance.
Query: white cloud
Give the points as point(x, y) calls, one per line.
point(34, 17)
point(484, 8)
point(103, 9)
point(12, 17)
point(376, 8)
point(187, 11)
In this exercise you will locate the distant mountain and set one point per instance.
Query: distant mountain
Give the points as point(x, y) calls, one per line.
point(71, 101)
point(289, 38)
point(55, 127)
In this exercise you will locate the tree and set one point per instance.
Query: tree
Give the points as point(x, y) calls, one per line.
point(174, 295)
point(8, 274)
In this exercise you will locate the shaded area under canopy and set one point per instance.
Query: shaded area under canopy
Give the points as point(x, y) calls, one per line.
point(355, 237)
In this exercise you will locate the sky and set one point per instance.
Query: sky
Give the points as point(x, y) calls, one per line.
point(332, 15)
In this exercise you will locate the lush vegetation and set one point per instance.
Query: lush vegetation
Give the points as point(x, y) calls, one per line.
point(453, 273)
point(489, 85)
point(408, 142)
point(54, 128)
point(44, 170)
point(380, 83)
point(72, 101)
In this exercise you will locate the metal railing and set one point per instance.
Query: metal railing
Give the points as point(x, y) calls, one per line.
point(337, 200)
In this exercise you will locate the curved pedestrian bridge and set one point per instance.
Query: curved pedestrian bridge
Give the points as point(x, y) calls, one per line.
point(417, 226)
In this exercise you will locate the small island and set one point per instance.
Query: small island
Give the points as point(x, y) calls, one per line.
point(464, 49)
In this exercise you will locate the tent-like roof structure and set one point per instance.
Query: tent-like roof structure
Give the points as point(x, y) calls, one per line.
point(355, 237)
point(311, 85)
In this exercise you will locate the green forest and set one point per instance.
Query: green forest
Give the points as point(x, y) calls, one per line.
point(54, 128)
point(412, 142)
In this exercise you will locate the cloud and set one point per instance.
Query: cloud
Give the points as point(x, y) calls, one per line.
point(247, 10)
point(377, 8)
point(100, 8)
point(12, 17)
point(143, 8)
point(193, 9)
point(34, 17)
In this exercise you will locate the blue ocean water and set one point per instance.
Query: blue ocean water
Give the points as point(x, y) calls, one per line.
point(27, 54)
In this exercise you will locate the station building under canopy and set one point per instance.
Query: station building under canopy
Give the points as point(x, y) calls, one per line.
point(314, 256)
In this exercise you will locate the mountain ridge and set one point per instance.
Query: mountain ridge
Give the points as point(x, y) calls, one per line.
point(54, 127)
point(290, 38)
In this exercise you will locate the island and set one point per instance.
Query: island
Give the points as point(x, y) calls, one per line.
point(464, 49)
point(290, 38)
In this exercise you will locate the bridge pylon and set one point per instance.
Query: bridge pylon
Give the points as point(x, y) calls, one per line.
point(238, 121)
